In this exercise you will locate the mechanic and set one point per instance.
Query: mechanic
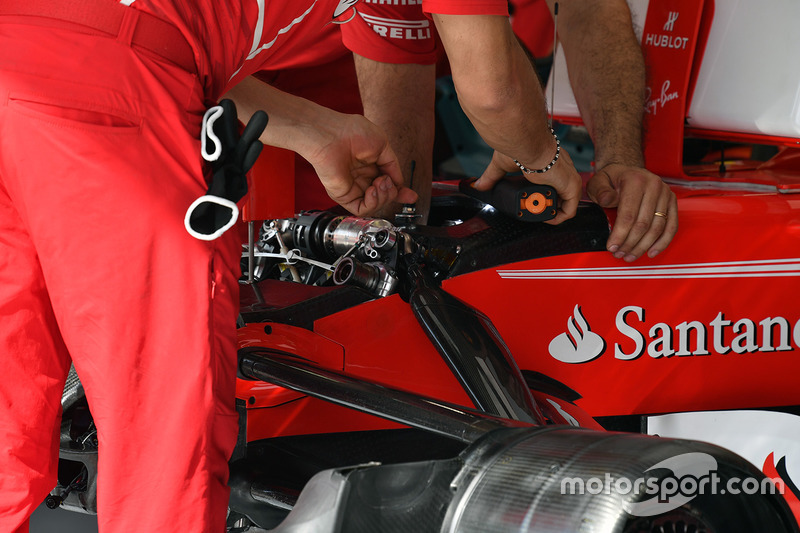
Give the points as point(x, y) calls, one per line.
point(606, 70)
point(325, 74)
point(607, 75)
point(497, 86)
point(100, 121)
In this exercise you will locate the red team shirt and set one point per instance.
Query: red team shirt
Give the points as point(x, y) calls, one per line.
point(400, 31)
point(234, 39)
point(303, 47)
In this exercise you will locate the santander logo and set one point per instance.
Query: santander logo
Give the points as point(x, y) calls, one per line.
point(634, 336)
point(579, 344)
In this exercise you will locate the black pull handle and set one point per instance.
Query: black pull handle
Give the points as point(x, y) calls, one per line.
point(516, 197)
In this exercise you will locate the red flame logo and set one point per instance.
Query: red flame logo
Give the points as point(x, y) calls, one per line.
point(780, 476)
point(579, 344)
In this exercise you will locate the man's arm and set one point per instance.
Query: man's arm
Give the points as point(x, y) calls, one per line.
point(607, 75)
point(606, 71)
point(500, 93)
point(350, 154)
point(399, 98)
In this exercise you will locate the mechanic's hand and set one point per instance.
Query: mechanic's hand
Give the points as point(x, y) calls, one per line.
point(637, 194)
point(358, 168)
point(562, 176)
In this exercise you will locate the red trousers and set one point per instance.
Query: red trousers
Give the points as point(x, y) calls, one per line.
point(99, 159)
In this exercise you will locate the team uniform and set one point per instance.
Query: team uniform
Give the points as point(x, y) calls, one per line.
point(99, 158)
point(100, 113)
point(390, 31)
point(533, 24)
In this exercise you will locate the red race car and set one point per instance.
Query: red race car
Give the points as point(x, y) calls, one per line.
point(486, 373)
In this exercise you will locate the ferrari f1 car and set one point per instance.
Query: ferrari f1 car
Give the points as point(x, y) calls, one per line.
point(485, 373)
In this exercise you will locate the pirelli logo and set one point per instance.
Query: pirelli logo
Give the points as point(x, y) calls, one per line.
point(399, 29)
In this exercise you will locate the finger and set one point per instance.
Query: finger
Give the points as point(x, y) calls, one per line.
point(362, 204)
point(643, 232)
point(489, 178)
point(387, 191)
point(388, 165)
point(569, 187)
point(406, 196)
point(659, 225)
point(635, 208)
point(566, 210)
point(670, 229)
point(601, 190)
point(370, 201)
point(568, 184)
point(379, 194)
point(656, 229)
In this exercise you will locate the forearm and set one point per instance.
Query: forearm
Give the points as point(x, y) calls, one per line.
point(399, 98)
point(497, 87)
point(350, 154)
point(295, 123)
point(607, 75)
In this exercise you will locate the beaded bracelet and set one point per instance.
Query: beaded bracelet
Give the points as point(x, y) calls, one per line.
point(527, 170)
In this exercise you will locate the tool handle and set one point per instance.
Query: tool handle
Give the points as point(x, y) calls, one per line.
point(516, 197)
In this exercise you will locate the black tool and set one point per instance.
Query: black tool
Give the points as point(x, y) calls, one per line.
point(516, 197)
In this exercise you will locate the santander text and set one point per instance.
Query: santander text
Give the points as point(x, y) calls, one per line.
point(721, 334)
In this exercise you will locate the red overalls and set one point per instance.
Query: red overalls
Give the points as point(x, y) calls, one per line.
point(99, 159)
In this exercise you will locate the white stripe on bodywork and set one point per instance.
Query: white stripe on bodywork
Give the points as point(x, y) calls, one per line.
point(731, 269)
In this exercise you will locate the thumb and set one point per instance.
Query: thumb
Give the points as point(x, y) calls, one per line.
point(406, 196)
point(602, 191)
point(490, 176)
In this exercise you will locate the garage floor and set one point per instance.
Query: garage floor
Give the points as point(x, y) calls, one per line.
point(46, 520)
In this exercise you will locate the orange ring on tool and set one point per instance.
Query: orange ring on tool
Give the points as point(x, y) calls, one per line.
point(536, 203)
